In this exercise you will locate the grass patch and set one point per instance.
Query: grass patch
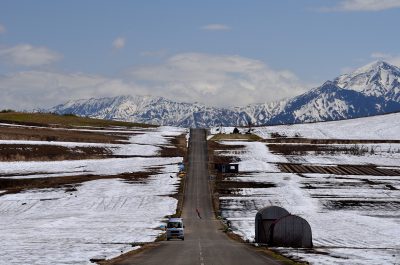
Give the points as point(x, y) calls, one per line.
point(245, 137)
point(44, 119)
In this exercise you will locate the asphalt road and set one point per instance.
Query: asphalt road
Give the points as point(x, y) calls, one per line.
point(205, 243)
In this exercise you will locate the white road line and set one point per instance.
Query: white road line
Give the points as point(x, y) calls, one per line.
point(201, 254)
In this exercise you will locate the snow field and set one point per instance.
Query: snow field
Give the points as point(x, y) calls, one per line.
point(367, 234)
point(103, 218)
point(384, 127)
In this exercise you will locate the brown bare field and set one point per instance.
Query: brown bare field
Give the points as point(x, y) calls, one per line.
point(245, 137)
point(226, 187)
point(369, 170)
point(214, 158)
point(22, 152)
point(68, 182)
point(326, 141)
point(49, 119)
point(178, 147)
point(48, 134)
point(50, 127)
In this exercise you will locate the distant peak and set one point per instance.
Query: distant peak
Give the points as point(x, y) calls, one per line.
point(375, 66)
point(329, 83)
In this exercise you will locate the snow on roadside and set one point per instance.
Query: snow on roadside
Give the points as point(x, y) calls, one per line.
point(157, 136)
point(102, 218)
point(148, 142)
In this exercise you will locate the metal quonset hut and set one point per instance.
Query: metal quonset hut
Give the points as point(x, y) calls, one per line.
point(292, 231)
point(265, 218)
point(277, 227)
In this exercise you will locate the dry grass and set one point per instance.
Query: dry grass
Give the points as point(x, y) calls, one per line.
point(47, 119)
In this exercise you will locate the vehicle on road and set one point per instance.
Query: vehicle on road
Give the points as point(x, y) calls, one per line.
point(175, 229)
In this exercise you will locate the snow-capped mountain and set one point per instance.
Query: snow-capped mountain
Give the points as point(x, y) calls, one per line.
point(330, 102)
point(378, 79)
point(154, 110)
point(371, 90)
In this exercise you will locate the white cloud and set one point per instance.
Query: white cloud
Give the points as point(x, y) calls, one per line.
point(363, 5)
point(217, 80)
point(189, 77)
point(40, 89)
point(390, 58)
point(28, 55)
point(380, 55)
point(215, 27)
point(119, 43)
point(2, 29)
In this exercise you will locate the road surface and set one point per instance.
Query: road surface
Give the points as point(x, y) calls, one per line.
point(205, 243)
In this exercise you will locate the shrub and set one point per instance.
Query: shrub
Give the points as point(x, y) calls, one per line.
point(7, 111)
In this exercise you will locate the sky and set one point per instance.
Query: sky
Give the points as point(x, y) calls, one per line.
point(217, 52)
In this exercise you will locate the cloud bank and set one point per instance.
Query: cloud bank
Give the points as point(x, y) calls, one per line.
point(390, 58)
point(363, 5)
point(188, 77)
point(40, 89)
point(218, 80)
point(28, 55)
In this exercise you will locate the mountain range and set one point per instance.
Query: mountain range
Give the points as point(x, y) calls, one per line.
point(370, 90)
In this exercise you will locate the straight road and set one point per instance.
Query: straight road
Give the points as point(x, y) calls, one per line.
point(205, 243)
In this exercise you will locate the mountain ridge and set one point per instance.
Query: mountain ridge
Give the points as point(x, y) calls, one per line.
point(370, 90)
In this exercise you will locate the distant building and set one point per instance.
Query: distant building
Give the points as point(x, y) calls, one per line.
point(227, 168)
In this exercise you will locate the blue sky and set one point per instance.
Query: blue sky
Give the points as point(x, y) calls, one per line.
point(187, 50)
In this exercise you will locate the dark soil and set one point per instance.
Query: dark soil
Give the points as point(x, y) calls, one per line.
point(224, 187)
point(17, 185)
point(338, 170)
point(326, 141)
point(364, 205)
point(179, 147)
point(22, 152)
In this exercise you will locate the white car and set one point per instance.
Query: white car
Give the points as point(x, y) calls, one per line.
point(175, 229)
